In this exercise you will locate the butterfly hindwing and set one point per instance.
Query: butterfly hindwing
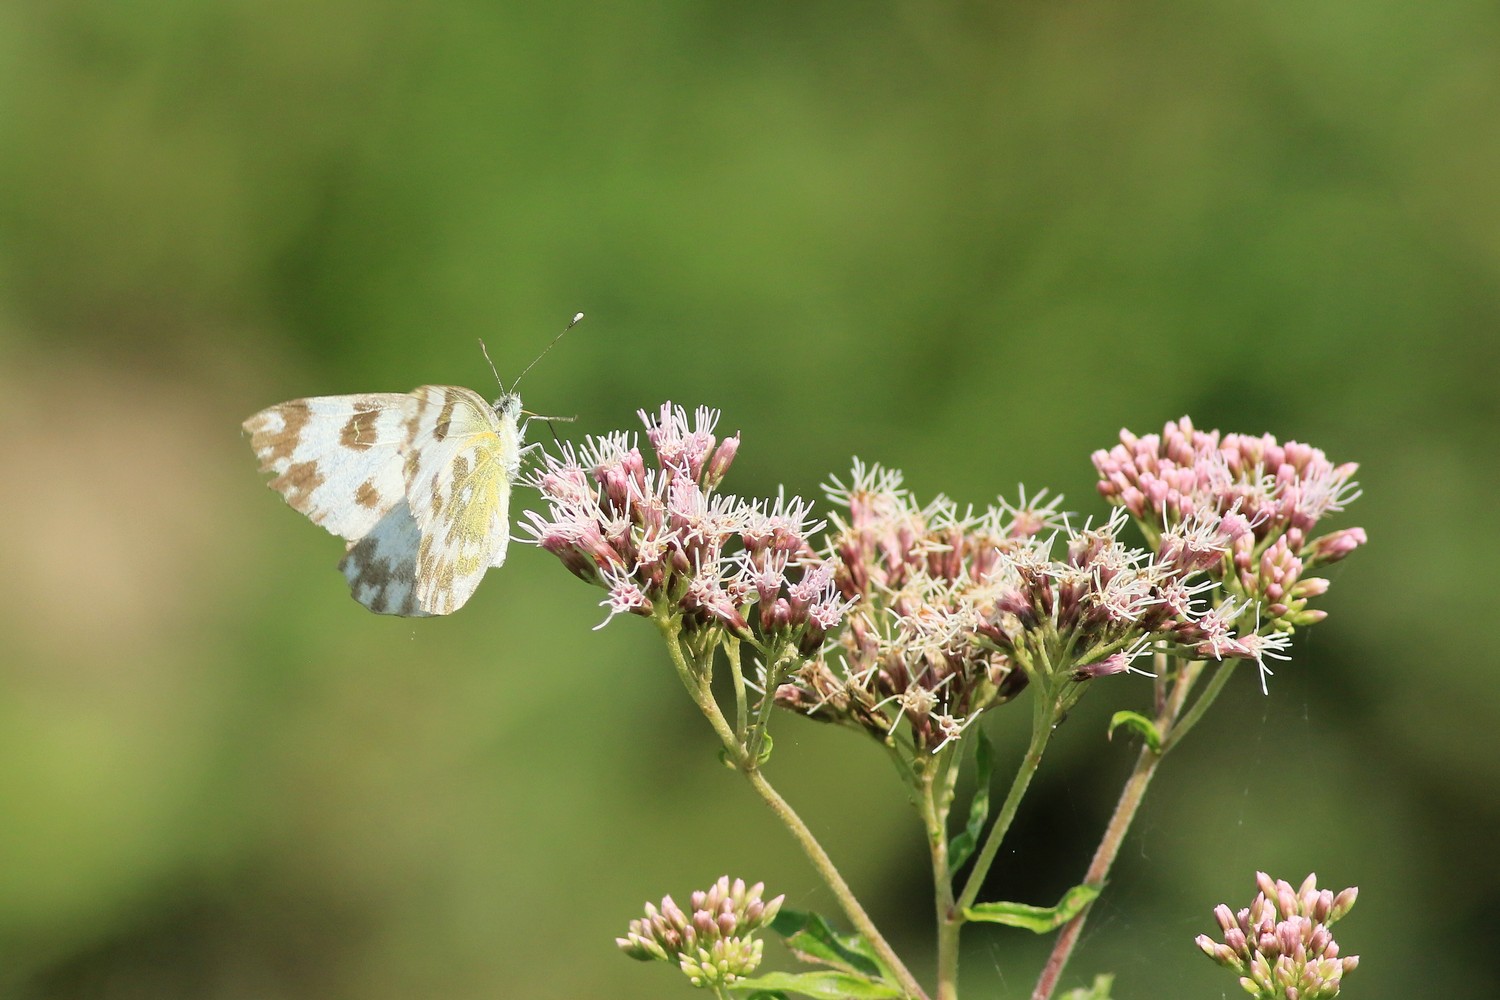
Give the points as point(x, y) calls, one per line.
point(460, 461)
point(382, 566)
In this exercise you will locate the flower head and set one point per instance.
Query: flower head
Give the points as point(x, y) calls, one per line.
point(1280, 945)
point(660, 539)
point(953, 612)
point(1240, 508)
point(711, 943)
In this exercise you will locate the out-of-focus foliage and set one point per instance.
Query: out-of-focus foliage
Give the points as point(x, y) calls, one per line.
point(969, 240)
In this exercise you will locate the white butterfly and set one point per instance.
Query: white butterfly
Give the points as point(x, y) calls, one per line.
point(418, 483)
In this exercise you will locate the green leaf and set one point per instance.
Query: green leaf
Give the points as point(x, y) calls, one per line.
point(961, 847)
point(1037, 919)
point(765, 749)
point(1098, 991)
point(823, 985)
point(1141, 724)
point(812, 940)
point(730, 761)
point(778, 995)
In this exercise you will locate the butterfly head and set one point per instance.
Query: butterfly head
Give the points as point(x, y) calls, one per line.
point(508, 408)
point(507, 405)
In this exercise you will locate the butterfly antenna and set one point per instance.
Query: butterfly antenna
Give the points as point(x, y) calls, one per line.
point(575, 321)
point(486, 352)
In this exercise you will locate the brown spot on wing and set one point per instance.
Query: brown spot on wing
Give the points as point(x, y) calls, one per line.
point(373, 575)
point(273, 446)
point(367, 495)
point(444, 421)
point(297, 483)
point(372, 572)
point(414, 417)
point(359, 433)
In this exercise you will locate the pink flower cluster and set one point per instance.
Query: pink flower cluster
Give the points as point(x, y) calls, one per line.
point(661, 539)
point(1280, 945)
point(956, 612)
point(1240, 508)
point(712, 943)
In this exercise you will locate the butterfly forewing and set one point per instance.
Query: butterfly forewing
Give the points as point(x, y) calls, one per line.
point(337, 459)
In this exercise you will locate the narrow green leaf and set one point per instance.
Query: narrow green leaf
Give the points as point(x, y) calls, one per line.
point(1141, 724)
point(811, 939)
point(962, 846)
point(1098, 991)
point(822, 985)
point(1037, 919)
point(778, 995)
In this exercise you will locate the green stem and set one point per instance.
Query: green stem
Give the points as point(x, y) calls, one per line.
point(830, 875)
point(732, 650)
point(1104, 857)
point(697, 684)
point(757, 738)
point(1170, 709)
point(1216, 684)
point(1041, 732)
point(937, 798)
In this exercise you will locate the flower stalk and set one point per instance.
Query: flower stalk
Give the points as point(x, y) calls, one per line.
point(826, 870)
point(1043, 725)
point(696, 679)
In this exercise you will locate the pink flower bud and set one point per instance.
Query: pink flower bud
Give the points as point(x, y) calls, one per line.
point(617, 486)
point(1312, 586)
point(1114, 663)
point(1286, 899)
point(718, 465)
point(775, 616)
point(1336, 545)
point(1343, 903)
point(1234, 526)
point(672, 912)
point(1266, 884)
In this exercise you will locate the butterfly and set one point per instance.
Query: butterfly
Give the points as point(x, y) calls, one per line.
point(417, 483)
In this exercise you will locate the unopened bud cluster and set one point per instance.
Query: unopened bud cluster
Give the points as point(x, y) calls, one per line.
point(956, 612)
point(1280, 945)
point(711, 943)
point(660, 538)
point(1240, 508)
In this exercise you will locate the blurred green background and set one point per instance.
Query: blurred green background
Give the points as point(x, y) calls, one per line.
point(971, 240)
